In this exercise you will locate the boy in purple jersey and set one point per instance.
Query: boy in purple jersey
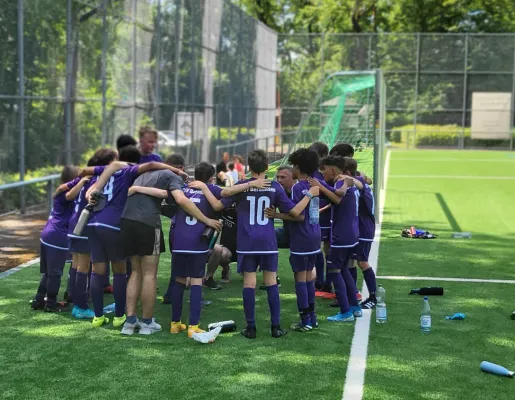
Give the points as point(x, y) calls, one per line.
point(54, 244)
point(147, 143)
point(305, 240)
point(344, 237)
point(367, 227)
point(104, 231)
point(257, 243)
point(79, 246)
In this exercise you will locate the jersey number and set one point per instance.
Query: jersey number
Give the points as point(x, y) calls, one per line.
point(257, 210)
point(191, 220)
point(356, 193)
point(108, 189)
point(77, 200)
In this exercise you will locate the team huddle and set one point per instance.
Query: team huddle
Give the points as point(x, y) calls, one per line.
point(125, 193)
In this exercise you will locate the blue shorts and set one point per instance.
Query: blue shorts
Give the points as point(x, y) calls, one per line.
point(80, 246)
point(251, 262)
point(189, 265)
point(325, 233)
point(302, 262)
point(339, 257)
point(106, 245)
point(362, 250)
point(52, 260)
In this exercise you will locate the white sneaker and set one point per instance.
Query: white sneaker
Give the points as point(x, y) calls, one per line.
point(149, 329)
point(128, 328)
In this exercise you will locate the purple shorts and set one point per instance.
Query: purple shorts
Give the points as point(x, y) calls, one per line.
point(189, 265)
point(80, 246)
point(339, 257)
point(52, 260)
point(251, 262)
point(362, 250)
point(325, 233)
point(106, 245)
point(302, 262)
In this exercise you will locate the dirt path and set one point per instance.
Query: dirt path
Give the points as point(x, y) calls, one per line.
point(19, 238)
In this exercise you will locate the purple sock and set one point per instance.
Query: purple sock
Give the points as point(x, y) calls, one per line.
point(370, 280)
point(350, 285)
point(311, 301)
point(53, 284)
point(71, 283)
point(354, 274)
point(249, 305)
point(320, 266)
point(97, 293)
point(195, 304)
point(120, 294)
point(274, 303)
point(177, 294)
point(301, 291)
point(80, 294)
point(340, 290)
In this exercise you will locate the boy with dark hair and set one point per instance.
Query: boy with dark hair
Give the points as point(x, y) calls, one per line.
point(175, 160)
point(125, 140)
point(344, 237)
point(257, 244)
point(305, 240)
point(54, 243)
point(342, 150)
point(130, 154)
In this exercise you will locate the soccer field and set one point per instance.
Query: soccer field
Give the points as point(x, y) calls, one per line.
point(54, 357)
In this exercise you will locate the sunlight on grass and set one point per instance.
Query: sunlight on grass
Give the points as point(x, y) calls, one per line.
point(252, 379)
point(502, 341)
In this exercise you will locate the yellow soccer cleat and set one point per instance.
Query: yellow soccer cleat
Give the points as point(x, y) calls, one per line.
point(177, 327)
point(99, 321)
point(119, 321)
point(194, 329)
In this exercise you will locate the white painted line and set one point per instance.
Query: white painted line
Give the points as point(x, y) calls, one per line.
point(474, 160)
point(18, 268)
point(495, 178)
point(432, 278)
point(355, 377)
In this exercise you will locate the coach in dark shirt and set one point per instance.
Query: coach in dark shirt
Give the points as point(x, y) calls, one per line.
point(285, 179)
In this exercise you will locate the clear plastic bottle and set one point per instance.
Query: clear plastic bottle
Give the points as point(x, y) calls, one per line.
point(381, 314)
point(314, 213)
point(425, 317)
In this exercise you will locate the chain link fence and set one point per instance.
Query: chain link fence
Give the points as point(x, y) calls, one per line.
point(436, 83)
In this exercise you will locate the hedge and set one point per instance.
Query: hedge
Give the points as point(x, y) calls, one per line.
point(440, 135)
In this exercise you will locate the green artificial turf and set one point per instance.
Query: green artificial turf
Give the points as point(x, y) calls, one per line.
point(402, 362)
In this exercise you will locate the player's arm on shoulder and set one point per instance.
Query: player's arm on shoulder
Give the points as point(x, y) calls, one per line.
point(216, 204)
point(325, 208)
point(347, 183)
point(155, 165)
point(303, 203)
point(74, 191)
point(241, 187)
point(111, 169)
point(325, 190)
point(61, 189)
point(272, 213)
point(190, 207)
point(357, 182)
point(149, 191)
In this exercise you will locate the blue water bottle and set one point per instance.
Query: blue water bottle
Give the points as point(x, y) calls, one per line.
point(314, 213)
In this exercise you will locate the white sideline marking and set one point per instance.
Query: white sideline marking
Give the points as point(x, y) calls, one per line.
point(497, 178)
point(355, 377)
point(18, 268)
point(475, 160)
point(431, 278)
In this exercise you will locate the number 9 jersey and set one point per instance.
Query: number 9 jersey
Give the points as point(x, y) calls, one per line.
point(256, 232)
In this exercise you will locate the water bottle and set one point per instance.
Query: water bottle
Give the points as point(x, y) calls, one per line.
point(83, 219)
point(381, 315)
point(314, 213)
point(428, 291)
point(462, 235)
point(425, 317)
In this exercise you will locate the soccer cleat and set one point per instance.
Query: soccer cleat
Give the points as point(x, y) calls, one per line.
point(67, 298)
point(80, 313)
point(249, 332)
point(205, 303)
point(347, 317)
point(300, 327)
point(334, 304)
point(37, 304)
point(319, 286)
point(128, 328)
point(356, 310)
point(149, 329)
point(99, 321)
point(212, 284)
point(277, 332)
point(225, 278)
point(110, 308)
point(166, 300)
point(108, 289)
point(177, 327)
point(369, 303)
point(119, 321)
point(330, 296)
point(56, 308)
point(315, 325)
point(359, 296)
point(194, 329)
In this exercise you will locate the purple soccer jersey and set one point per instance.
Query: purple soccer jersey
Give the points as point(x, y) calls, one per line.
point(256, 232)
point(345, 226)
point(54, 234)
point(366, 212)
point(78, 205)
point(325, 217)
point(304, 236)
point(115, 192)
point(187, 233)
point(149, 158)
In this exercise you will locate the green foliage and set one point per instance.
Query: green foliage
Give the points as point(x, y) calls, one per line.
point(229, 134)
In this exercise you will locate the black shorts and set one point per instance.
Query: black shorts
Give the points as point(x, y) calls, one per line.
point(140, 239)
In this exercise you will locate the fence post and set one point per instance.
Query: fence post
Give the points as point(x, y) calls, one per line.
point(134, 71)
point(50, 192)
point(104, 80)
point(21, 115)
point(465, 89)
point(512, 98)
point(417, 81)
point(69, 76)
